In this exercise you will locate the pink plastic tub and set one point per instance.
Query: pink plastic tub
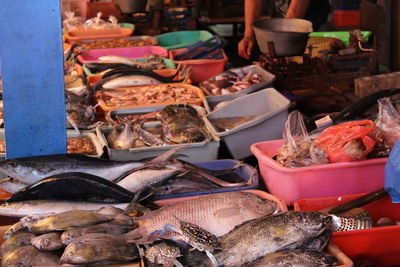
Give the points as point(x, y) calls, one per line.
point(202, 69)
point(129, 52)
point(332, 179)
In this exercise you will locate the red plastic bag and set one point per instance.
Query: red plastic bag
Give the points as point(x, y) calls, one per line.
point(348, 141)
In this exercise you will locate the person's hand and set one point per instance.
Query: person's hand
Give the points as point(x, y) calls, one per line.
point(245, 46)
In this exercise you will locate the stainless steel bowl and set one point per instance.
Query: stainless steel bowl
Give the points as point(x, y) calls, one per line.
point(289, 35)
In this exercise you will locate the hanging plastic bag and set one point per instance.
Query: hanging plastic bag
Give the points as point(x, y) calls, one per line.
point(388, 121)
point(71, 22)
point(347, 141)
point(295, 151)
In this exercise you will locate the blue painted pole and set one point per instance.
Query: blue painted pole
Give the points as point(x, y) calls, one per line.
point(31, 55)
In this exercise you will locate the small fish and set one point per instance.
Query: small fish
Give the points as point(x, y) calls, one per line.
point(11, 185)
point(30, 170)
point(22, 225)
point(298, 258)
point(29, 256)
point(163, 253)
point(47, 242)
point(15, 241)
point(72, 186)
point(185, 184)
point(131, 80)
point(48, 207)
point(106, 228)
point(92, 248)
point(112, 211)
point(68, 220)
point(216, 213)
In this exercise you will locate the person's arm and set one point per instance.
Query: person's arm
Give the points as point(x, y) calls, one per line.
point(252, 11)
point(297, 8)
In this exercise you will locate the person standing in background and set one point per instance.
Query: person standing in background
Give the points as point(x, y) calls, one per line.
point(316, 11)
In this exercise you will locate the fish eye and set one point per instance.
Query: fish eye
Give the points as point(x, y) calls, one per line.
point(12, 164)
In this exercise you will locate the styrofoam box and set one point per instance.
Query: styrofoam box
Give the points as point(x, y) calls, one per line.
point(272, 110)
point(268, 77)
point(194, 152)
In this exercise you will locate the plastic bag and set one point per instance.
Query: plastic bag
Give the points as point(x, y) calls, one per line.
point(295, 151)
point(347, 141)
point(71, 22)
point(388, 121)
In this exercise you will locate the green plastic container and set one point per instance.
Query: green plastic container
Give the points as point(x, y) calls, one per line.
point(167, 62)
point(182, 39)
point(344, 36)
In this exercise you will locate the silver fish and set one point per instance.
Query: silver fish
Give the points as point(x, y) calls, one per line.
point(106, 228)
point(68, 220)
point(217, 213)
point(47, 242)
point(130, 80)
point(32, 169)
point(15, 241)
point(29, 256)
point(140, 179)
point(92, 248)
point(298, 258)
point(48, 207)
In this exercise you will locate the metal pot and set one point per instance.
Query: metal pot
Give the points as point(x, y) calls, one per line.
point(130, 6)
point(288, 35)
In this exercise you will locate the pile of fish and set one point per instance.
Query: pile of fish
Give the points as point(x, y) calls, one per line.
point(228, 229)
point(73, 237)
point(62, 182)
point(112, 43)
point(77, 145)
point(174, 124)
point(230, 82)
point(80, 112)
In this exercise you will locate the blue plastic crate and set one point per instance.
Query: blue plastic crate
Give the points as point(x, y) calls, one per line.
point(245, 171)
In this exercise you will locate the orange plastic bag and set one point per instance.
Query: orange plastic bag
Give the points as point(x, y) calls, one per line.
point(348, 141)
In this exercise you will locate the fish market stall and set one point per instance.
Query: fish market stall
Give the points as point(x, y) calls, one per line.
point(177, 153)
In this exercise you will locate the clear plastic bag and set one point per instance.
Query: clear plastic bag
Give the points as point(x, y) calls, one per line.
point(387, 131)
point(297, 147)
point(71, 22)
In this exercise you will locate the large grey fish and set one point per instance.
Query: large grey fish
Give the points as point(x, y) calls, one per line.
point(48, 207)
point(92, 248)
point(47, 242)
point(16, 240)
point(254, 239)
point(29, 256)
point(216, 213)
point(106, 228)
point(68, 220)
point(29, 170)
point(298, 258)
